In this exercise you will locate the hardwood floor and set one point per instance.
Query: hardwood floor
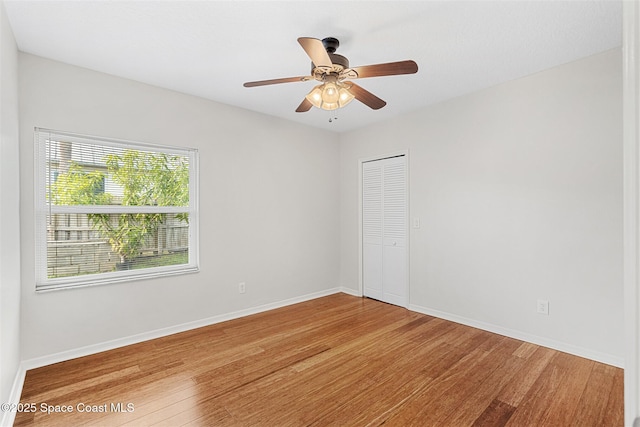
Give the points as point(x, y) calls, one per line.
point(337, 360)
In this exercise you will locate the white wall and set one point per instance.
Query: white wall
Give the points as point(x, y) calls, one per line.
point(9, 212)
point(519, 192)
point(631, 101)
point(269, 196)
point(519, 189)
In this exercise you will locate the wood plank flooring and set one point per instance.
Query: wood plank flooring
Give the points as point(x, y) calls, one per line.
point(338, 360)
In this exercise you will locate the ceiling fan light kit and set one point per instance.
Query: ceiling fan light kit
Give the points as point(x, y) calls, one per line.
point(332, 70)
point(330, 95)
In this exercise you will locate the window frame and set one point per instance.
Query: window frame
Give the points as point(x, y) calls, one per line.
point(43, 208)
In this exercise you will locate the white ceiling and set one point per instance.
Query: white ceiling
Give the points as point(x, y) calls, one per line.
point(209, 48)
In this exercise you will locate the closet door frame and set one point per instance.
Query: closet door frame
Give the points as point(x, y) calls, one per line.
point(361, 161)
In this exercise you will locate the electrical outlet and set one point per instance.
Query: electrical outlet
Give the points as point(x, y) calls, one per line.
point(543, 307)
point(242, 287)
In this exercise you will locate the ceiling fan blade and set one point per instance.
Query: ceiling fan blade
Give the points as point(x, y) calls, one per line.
point(387, 69)
point(366, 97)
point(276, 81)
point(304, 106)
point(316, 51)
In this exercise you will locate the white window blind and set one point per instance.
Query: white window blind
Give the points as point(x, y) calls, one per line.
point(110, 210)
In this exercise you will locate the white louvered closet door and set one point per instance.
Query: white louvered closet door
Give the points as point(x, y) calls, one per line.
point(384, 230)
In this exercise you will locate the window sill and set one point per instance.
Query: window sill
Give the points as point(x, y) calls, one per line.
point(112, 278)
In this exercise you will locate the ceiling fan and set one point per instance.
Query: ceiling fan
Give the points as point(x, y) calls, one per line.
point(332, 70)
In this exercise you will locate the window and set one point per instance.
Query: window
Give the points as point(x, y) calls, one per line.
point(110, 211)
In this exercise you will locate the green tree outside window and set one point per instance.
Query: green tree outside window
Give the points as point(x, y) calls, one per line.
point(147, 179)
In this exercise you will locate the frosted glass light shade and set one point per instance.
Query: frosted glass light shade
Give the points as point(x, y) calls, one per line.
point(329, 96)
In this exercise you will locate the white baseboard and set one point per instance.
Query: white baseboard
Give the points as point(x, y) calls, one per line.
point(158, 333)
point(349, 291)
point(8, 417)
point(608, 359)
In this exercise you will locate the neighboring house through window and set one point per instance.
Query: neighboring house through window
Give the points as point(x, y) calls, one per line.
point(110, 210)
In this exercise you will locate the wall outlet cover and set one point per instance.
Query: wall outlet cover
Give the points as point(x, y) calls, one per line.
point(543, 307)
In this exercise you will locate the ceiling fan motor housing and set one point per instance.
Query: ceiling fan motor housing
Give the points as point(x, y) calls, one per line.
point(331, 44)
point(338, 62)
